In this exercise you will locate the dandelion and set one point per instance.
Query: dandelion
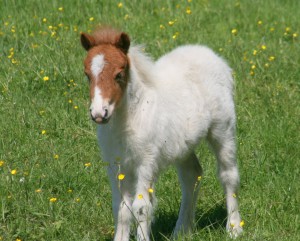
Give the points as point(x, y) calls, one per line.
point(88, 164)
point(263, 47)
point(38, 190)
point(2, 163)
point(18, 239)
point(171, 23)
point(188, 10)
point(75, 107)
point(44, 20)
point(234, 195)
point(231, 225)
point(272, 29)
point(175, 35)
point(126, 16)
point(70, 101)
point(150, 190)
point(287, 29)
point(60, 9)
point(199, 178)
point(259, 22)
point(121, 176)
point(53, 199)
point(162, 27)
point(295, 35)
point(70, 191)
point(120, 5)
point(234, 31)
point(91, 19)
point(56, 156)
point(140, 196)
point(252, 73)
point(13, 172)
point(242, 223)
point(267, 65)
point(77, 200)
point(271, 58)
point(43, 132)
point(45, 78)
point(253, 66)
point(254, 52)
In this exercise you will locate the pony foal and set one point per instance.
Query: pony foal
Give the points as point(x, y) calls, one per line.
point(155, 114)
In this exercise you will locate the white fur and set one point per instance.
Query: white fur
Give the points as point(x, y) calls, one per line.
point(97, 65)
point(169, 106)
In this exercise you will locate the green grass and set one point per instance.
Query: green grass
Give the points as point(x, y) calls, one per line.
point(64, 162)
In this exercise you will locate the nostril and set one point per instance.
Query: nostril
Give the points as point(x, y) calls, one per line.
point(105, 113)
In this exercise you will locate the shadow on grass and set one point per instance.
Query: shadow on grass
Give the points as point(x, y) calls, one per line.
point(213, 219)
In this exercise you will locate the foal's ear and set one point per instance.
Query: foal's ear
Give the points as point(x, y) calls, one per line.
point(123, 42)
point(87, 41)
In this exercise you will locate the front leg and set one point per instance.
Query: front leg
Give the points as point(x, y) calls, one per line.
point(144, 200)
point(121, 202)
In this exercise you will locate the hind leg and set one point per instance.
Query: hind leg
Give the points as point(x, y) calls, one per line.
point(222, 140)
point(189, 172)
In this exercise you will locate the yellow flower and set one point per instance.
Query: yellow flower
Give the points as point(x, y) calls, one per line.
point(88, 164)
point(161, 27)
point(234, 31)
point(121, 176)
point(267, 65)
point(38, 190)
point(199, 178)
point(75, 107)
point(43, 132)
point(120, 5)
point(232, 225)
point(45, 78)
point(253, 66)
point(140, 196)
point(1, 163)
point(242, 223)
point(171, 23)
point(234, 195)
point(150, 190)
point(13, 172)
point(287, 29)
point(259, 22)
point(272, 29)
point(53, 199)
point(295, 35)
point(18, 239)
point(44, 20)
point(91, 19)
point(271, 58)
point(60, 9)
point(252, 73)
point(56, 156)
point(175, 35)
point(263, 47)
point(188, 10)
point(70, 190)
point(78, 200)
point(254, 52)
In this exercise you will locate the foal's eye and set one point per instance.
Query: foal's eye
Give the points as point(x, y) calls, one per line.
point(119, 77)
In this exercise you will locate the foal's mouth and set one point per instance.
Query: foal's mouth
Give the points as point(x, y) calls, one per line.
point(100, 120)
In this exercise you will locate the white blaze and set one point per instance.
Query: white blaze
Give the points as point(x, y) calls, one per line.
point(97, 65)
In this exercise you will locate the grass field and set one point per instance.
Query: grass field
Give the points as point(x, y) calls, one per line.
point(53, 185)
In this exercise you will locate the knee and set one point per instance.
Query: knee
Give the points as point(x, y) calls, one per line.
point(142, 209)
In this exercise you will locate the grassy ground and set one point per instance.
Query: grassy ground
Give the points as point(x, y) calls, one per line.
point(52, 182)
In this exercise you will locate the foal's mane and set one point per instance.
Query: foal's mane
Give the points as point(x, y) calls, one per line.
point(106, 35)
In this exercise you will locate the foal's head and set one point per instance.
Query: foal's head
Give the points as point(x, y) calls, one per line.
point(106, 67)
